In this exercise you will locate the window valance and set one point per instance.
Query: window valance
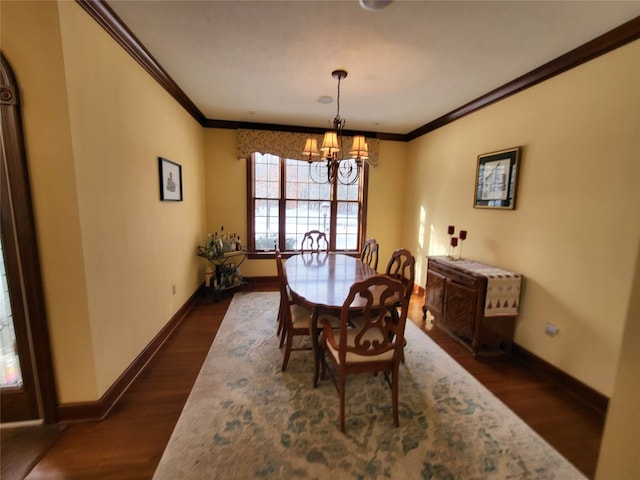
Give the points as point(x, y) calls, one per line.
point(290, 144)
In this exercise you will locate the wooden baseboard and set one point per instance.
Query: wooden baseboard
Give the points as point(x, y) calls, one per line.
point(87, 411)
point(270, 280)
point(588, 395)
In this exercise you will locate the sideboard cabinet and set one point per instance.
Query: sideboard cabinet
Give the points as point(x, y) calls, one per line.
point(473, 302)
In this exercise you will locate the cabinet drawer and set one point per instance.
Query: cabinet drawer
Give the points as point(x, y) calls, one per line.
point(454, 275)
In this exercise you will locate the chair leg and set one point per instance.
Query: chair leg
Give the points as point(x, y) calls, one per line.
point(280, 322)
point(342, 383)
point(282, 331)
point(287, 352)
point(283, 336)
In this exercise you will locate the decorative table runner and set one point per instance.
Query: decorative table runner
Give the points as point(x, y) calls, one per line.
point(503, 287)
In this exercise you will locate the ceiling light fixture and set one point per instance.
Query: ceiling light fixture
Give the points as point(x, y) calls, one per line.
point(346, 171)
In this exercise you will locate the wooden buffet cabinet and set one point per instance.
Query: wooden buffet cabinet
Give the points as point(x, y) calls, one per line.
point(473, 302)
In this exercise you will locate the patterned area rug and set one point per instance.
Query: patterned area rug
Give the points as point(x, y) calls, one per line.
point(247, 419)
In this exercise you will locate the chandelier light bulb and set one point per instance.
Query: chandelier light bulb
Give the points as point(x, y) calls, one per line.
point(311, 149)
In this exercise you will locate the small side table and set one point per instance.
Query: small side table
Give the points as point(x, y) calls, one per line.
point(226, 277)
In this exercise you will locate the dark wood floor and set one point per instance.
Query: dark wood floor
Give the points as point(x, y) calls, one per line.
point(128, 444)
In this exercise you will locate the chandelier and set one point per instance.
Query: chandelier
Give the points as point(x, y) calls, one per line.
point(331, 167)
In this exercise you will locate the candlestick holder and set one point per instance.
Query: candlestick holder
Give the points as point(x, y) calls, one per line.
point(463, 237)
point(452, 247)
point(451, 230)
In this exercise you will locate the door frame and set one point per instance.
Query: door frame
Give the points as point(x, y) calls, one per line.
point(26, 257)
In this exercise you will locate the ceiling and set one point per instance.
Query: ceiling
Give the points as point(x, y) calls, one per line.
point(408, 64)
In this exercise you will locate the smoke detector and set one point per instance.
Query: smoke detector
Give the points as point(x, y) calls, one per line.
point(374, 4)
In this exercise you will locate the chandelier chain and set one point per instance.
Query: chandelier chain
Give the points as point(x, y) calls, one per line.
point(337, 123)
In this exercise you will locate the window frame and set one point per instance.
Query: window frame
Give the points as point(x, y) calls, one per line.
point(362, 213)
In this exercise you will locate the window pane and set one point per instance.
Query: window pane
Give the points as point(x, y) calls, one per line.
point(302, 216)
point(292, 170)
point(10, 374)
point(261, 169)
point(348, 192)
point(261, 189)
point(325, 191)
point(347, 226)
point(266, 176)
point(307, 205)
point(266, 194)
point(274, 190)
point(274, 168)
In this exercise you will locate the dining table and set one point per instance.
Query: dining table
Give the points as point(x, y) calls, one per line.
point(321, 281)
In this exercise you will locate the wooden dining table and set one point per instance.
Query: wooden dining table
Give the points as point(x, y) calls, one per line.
point(321, 281)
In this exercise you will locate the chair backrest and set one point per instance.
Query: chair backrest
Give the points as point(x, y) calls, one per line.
point(402, 266)
point(382, 313)
point(314, 241)
point(279, 266)
point(282, 281)
point(369, 254)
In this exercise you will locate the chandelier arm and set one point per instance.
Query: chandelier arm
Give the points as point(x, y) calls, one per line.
point(317, 171)
point(348, 172)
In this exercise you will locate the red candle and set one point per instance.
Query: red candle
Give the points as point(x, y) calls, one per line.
point(463, 234)
point(451, 229)
point(454, 241)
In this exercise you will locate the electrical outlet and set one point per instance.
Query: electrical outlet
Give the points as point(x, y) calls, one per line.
point(551, 330)
point(173, 289)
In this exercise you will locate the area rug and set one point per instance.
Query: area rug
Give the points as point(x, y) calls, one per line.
point(246, 419)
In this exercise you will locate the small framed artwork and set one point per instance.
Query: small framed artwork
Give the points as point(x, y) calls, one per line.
point(170, 180)
point(497, 179)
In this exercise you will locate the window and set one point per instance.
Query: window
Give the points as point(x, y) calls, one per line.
point(285, 203)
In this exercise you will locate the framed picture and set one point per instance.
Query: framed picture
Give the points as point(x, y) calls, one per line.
point(170, 180)
point(497, 179)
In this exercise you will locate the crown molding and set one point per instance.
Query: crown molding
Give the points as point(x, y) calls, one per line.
point(618, 37)
point(107, 18)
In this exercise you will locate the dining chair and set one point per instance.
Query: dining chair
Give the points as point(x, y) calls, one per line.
point(369, 253)
point(402, 266)
point(295, 318)
point(281, 332)
point(314, 241)
point(376, 345)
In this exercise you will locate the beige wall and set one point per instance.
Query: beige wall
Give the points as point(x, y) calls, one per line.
point(95, 123)
point(575, 231)
point(619, 457)
point(31, 43)
point(226, 196)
